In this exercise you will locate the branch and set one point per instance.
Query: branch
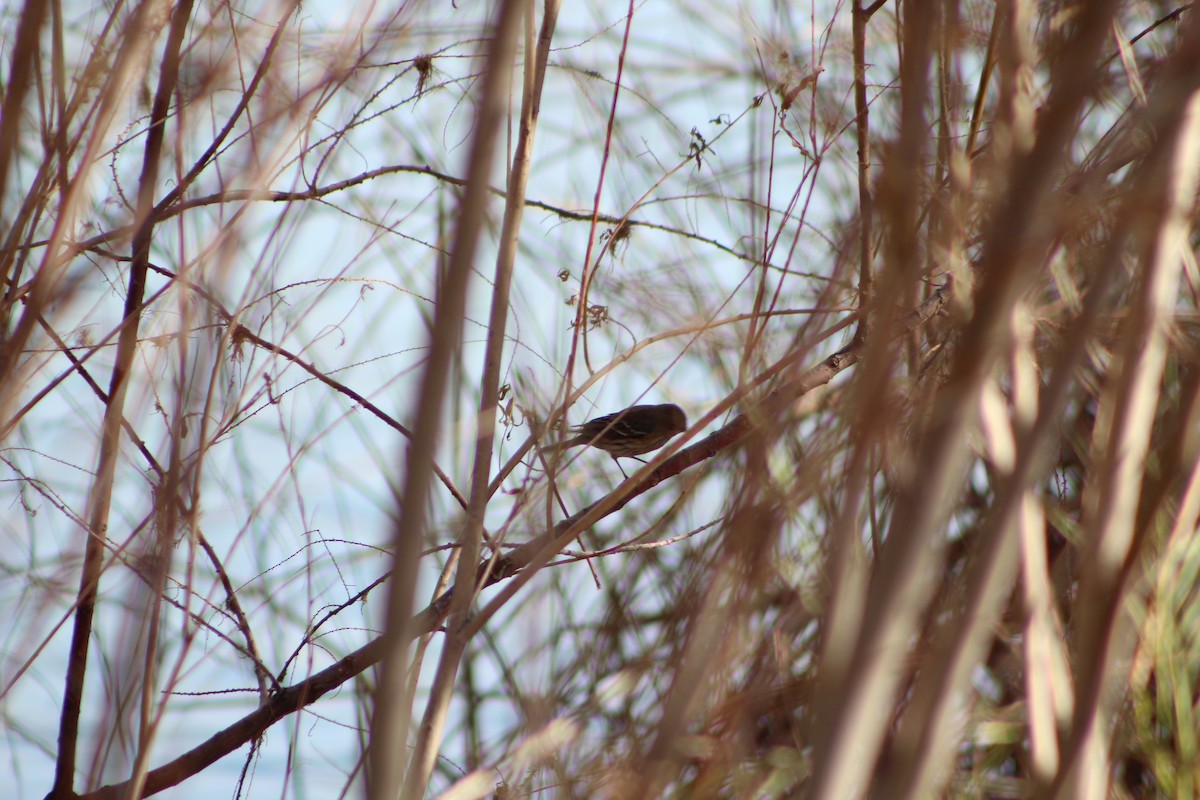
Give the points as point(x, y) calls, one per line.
point(523, 559)
point(100, 498)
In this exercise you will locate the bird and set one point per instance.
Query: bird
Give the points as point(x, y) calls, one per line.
point(631, 432)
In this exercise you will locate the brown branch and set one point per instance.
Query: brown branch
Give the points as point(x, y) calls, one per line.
point(862, 128)
point(101, 493)
point(728, 436)
point(21, 73)
point(240, 333)
point(253, 725)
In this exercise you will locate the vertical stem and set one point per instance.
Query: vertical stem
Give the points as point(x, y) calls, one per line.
point(100, 499)
point(862, 131)
point(585, 280)
point(433, 723)
point(390, 722)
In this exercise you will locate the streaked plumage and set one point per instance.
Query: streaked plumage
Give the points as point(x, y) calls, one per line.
point(632, 432)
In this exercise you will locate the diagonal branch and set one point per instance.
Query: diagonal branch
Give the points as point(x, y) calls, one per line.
point(525, 559)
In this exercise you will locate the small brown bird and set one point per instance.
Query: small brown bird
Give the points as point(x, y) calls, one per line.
point(636, 430)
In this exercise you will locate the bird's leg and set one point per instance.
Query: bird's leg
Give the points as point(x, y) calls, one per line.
point(618, 463)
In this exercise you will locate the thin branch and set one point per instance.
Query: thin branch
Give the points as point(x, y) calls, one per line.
point(100, 499)
point(525, 559)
